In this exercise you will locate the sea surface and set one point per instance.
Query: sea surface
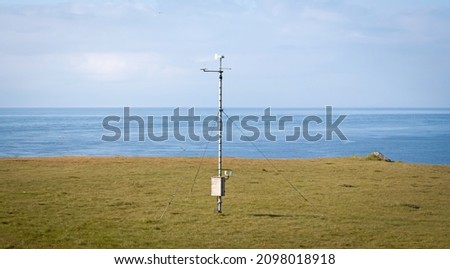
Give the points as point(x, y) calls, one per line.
point(408, 135)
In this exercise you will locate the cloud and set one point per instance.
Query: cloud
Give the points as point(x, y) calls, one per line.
point(425, 25)
point(117, 66)
point(246, 4)
point(111, 9)
point(268, 43)
point(74, 26)
point(322, 15)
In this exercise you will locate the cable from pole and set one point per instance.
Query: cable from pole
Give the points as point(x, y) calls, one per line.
point(193, 183)
point(198, 169)
point(171, 200)
point(276, 169)
point(199, 166)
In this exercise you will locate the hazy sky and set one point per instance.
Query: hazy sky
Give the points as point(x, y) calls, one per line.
point(345, 53)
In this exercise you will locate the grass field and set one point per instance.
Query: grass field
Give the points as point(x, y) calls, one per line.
point(117, 202)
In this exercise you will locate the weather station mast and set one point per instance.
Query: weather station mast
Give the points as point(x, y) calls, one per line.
point(218, 182)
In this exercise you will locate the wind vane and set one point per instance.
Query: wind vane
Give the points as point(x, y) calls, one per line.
point(218, 182)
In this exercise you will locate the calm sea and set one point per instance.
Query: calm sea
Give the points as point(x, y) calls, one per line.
point(408, 135)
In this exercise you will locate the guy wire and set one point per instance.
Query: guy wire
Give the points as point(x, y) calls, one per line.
point(276, 169)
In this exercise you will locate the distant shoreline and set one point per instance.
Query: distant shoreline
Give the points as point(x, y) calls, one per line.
point(206, 158)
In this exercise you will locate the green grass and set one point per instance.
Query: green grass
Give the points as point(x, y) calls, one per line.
point(95, 202)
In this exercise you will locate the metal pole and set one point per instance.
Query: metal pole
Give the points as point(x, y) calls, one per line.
point(220, 127)
point(219, 198)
